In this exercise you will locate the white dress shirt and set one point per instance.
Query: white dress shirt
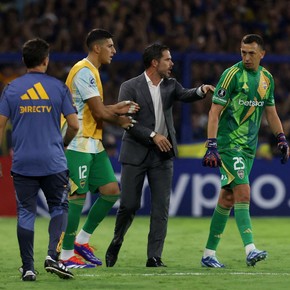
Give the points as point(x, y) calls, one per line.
point(160, 126)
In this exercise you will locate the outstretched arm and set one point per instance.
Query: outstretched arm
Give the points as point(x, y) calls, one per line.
point(212, 157)
point(111, 113)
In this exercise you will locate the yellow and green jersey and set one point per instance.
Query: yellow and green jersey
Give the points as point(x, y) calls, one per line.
point(244, 95)
point(84, 83)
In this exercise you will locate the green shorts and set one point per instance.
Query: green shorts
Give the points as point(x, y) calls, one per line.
point(90, 171)
point(236, 168)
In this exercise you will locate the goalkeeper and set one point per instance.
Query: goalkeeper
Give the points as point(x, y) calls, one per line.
point(243, 92)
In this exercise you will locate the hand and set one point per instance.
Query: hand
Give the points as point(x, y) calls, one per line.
point(162, 143)
point(126, 122)
point(212, 157)
point(206, 88)
point(283, 147)
point(126, 107)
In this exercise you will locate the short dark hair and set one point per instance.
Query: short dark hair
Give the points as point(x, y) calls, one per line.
point(153, 51)
point(250, 38)
point(34, 51)
point(97, 35)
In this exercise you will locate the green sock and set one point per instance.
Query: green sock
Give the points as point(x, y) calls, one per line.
point(99, 211)
point(243, 220)
point(217, 226)
point(74, 215)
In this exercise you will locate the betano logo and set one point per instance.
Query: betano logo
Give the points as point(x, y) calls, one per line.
point(35, 93)
point(251, 103)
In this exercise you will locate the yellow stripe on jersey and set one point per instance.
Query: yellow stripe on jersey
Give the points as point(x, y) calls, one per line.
point(41, 91)
point(32, 94)
point(25, 97)
point(229, 77)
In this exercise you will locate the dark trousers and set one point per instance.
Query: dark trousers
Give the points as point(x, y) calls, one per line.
point(159, 171)
point(55, 188)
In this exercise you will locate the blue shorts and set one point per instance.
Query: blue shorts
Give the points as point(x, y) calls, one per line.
point(55, 188)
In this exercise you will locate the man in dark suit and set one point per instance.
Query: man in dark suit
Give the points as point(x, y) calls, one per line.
point(148, 149)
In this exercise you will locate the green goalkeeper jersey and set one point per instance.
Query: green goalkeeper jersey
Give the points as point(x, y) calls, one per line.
point(244, 95)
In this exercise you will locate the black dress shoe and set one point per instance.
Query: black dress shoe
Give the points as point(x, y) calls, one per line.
point(112, 254)
point(155, 262)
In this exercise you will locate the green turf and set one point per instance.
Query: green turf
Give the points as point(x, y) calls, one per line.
point(183, 249)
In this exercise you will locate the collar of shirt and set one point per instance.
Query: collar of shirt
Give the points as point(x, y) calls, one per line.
point(149, 81)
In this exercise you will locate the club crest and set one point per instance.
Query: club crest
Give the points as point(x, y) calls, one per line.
point(241, 173)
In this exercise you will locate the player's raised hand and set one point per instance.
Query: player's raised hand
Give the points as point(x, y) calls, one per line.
point(283, 147)
point(126, 107)
point(211, 157)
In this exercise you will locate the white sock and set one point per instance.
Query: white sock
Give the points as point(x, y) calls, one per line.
point(249, 248)
point(208, 252)
point(66, 254)
point(83, 237)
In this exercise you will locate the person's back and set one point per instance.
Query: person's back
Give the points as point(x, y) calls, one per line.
point(34, 104)
point(36, 101)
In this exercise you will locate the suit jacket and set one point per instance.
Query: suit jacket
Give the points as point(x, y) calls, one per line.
point(136, 141)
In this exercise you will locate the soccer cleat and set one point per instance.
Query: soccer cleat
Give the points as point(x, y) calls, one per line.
point(211, 262)
point(28, 276)
point(75, 263)
point(87, 252)
point(20, 269)
point(256, 256)
point(57, 268)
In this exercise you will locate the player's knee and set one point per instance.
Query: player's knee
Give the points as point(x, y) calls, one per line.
point(111, 188)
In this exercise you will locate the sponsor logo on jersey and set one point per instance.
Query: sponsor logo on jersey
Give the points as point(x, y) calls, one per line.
point(92, 81)
point(34, 109)
point(251, 103)
point(37, 92)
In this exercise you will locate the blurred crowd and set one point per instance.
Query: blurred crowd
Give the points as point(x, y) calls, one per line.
point(186, 26)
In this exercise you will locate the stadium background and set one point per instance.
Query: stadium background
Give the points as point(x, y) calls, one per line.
point(204, 37)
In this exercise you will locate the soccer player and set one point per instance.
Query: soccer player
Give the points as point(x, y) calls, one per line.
point(34, 104)
point(243, 93)
point(88, 162)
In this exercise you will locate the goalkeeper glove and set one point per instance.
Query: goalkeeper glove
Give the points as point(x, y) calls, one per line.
point(211, 157)
point(283, 147)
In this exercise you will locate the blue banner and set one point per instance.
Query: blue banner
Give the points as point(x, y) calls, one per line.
point(195, 189)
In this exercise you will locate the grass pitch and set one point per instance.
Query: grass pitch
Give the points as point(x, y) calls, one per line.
point(182, 253)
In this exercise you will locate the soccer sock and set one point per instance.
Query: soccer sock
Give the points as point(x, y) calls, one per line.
point(66, 254)
point(74, 215)
point(249, 248)
point(243, 221)
point(83, 237)
point(217, 226)
point(99, 211)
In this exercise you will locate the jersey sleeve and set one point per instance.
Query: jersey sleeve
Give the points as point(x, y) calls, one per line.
point(67, 105)
point(85, 83)
point(4, 106)
point(225, 86)
point(270, 101)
